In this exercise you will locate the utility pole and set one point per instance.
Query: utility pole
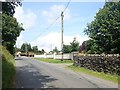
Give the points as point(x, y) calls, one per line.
point(62, 34)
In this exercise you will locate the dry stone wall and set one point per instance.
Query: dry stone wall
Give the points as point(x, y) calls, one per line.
point(106, 64)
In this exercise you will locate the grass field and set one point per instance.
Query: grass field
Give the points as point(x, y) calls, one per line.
point(113, 78)
point(54, 60)
point(8, 68)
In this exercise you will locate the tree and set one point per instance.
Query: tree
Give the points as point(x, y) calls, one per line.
point(55, 50)
point(105, 29)
point(74, 45)
point(66, 48)
point(35, 49)
point(23, 47)
point(26, 47)
point(10, 31)
point(43, 51)
point(83, 46)
point(29, 47)
point(8, 8)
point(10, 27)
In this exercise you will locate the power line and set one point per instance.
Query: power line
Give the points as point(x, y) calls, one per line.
point(66, 6)
point(56, 18)
point(60, 15)
point(52, 23)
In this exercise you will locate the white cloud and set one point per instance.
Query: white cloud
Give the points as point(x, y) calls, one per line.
point(53, 12)
point(28, 18)
point(52, 39)
point(20, 41)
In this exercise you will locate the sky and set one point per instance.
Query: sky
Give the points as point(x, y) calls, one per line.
point(37, 19)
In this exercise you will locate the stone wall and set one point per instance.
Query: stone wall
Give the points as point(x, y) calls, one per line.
point(107, 64)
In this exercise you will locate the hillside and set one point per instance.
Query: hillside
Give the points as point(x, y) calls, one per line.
point(8, 68)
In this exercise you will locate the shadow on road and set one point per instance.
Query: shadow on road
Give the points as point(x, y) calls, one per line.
point(28, 77)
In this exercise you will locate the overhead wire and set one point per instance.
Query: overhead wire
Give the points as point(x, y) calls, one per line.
point(60, 15)
point(66, 6)
point(56, 18)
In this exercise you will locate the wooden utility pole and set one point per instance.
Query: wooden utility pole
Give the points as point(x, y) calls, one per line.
point(62, 34)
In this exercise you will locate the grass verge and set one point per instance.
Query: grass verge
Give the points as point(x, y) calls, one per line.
point(54, 60)
point(112, 78)
point(8, 68)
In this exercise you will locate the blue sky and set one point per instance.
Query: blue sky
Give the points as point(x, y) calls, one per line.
point(37, 16)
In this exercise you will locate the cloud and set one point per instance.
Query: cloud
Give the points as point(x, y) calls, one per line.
point(52, 39)
point(54, 12)
point(28, 18)
point(20, 41)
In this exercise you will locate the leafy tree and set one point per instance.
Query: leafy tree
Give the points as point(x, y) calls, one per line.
point(43, 51)
point(23, 47)
point(55, 50)
point(29, 47)
point(74, 45)
point(0, 27)
point(66, 48)
point(8, 8)
point(83, 46)
point(26, 47)
point(10, 27)
point(35, 49)
point(10, 31)
point(105, 29)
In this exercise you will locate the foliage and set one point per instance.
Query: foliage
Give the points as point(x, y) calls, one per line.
point(8, 8)
point(43, 51)
point(0, 27)
point(27, 48)
point(105, 29)
point(10, 27)
point(66, 48)
point(10, 31)
point(74, 46)
point(90, 47)
point(8, 68)
point(83, 46)
point(55, 50)
point(35, 49)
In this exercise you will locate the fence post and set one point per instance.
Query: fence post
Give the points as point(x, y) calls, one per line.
point(54, 55)
point(44, 55)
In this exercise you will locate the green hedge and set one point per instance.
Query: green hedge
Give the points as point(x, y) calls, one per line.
point(109, 64)
point(8, 68)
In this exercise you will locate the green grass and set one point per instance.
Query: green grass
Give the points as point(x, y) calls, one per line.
point(112, 78)
point(8, 68)
point(54, 60)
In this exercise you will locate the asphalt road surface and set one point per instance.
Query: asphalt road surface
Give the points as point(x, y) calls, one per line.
point(37, 74)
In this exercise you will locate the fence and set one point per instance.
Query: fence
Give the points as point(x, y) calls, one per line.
point(101, 63)
point(57, 56)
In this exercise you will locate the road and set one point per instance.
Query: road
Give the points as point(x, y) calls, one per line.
point(37, 74)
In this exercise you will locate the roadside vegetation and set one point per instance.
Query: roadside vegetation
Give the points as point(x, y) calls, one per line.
point(11, 29)
point(112, 78)
point(54, 60)
point(8, 68)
